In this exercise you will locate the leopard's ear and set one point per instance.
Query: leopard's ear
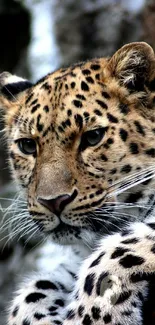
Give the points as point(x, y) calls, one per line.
point(11, 91)
point(11, 85)
point(133, 65)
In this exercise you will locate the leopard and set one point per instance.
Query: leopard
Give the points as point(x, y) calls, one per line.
point(81, 145)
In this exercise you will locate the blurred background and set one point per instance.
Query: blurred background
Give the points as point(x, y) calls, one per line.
point(37, 37)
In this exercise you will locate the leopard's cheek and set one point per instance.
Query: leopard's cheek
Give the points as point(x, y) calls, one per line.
point(22, 168)
point(98, 168)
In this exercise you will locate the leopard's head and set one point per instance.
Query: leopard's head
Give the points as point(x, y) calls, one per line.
point(80, 137)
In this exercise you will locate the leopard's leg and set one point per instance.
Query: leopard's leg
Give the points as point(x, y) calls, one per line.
point(42, 299)
point(113, 282)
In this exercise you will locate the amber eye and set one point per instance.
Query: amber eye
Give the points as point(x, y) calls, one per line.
point(92, 138)
point(27, 146)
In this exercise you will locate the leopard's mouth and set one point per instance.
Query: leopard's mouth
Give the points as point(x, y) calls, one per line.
point(63, 227)
point(99, 222)
point(65, 233)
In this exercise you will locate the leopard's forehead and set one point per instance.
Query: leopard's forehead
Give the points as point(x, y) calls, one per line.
point(76, 97)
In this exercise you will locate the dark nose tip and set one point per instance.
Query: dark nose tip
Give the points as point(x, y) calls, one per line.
point(57, 204)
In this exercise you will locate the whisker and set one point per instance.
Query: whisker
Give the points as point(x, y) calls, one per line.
point(148, 169)
point(125, 186)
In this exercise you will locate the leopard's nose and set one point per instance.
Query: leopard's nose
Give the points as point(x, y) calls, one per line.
point(57, 204)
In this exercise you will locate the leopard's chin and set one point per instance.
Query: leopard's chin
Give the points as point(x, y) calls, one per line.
point(64, 234)
point(70, 235)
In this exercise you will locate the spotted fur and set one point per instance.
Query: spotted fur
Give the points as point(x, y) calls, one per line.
point(81, 145)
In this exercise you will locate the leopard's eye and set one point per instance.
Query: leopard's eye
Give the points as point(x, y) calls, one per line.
point(92, 138)
point(27, 146)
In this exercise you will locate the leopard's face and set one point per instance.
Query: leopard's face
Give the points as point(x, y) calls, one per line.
point(72, 137)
